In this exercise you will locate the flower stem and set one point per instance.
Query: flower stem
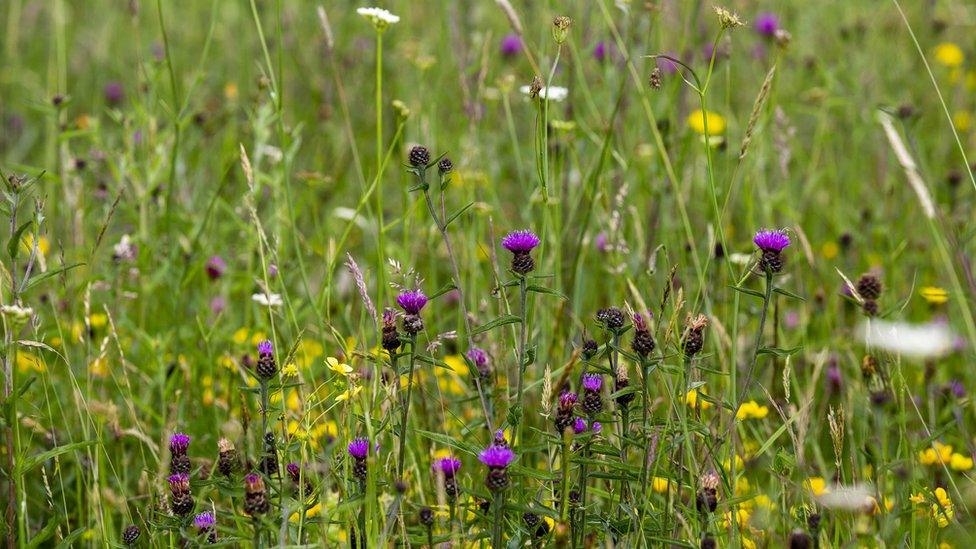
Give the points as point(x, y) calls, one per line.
point(498, 525)
point(405, 408)
point(523, 335)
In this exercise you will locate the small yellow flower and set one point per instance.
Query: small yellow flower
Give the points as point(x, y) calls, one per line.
point(948, 54)
point(240, 336)
point(338, 367)
point(258, 337)
point(230, 91)
point(27, 362)
point(98, 367)
point(829, 249)
point(660, 485)
point(313, 511)
point(934, 295)
point(98, 321)
point(693, 401)
point(697, 121)
point(751, 410)
point(942, 510)
point(962, 120)
point(349, 393)
point(941, 453)
point(289, 371)
point(816, 485)
point(959, 462)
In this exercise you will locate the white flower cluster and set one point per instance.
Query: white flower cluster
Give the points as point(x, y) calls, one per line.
point(379, 17)
point(553, 93)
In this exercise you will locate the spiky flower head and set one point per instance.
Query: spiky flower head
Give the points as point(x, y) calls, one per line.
point(265, 348)
point(448, 466)
point(131, 534)
point(496, 457)
point(579, 425)
point(640, 322)
point(204, 521)
point(478, 357)
point(359, 448)
point(592, 382)
point(560, 28)
point(445, 166)
point(179, 483)
point(567, 400)
point(419, 156)
point(294, 470)
point(253, 483)
point(412, 301)
point(590, 348)
point(767, 24)
point(520, 241)
point(611, 317)
point(179, 443)
point(771, 241)
point(596, 427)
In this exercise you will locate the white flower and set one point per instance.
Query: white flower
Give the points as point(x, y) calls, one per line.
point(379, 17)
point(267, 300)
point(552, 93)
point(917, 340)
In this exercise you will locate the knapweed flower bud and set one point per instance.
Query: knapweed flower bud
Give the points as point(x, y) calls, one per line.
point(204, 523)
point(590, 348)
point(180, 500)
point(179, 460)
point(359, 449)
point(869, 286)
point(269, 463)
point(296, 475)
point(771, 244)
point(479, 358)
point(266, 367)
point(520, 243)
point(707, 499)
point(445, 166)
point(579, 426)
point(448, 468)
point(564, 411)
point(621, 382)
point(799, 540)
point(497, 459)
point(412, 302)
point(426, 516)
point(391, 337)
point(612, 318)
point(419, 156)
point(643, 343)
point(255, 495)
point(708, 542)
point(560, 28)
point(131, 534)
point(694, 337)
point(227, 459)
point(870, 307)
point(216, 267)
point(592, 401)
point(500, 438)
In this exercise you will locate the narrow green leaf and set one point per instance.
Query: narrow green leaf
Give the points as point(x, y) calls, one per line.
point(788, 293)
point(500, 321)
point(754, 293)
point(547, 291)
point(457, 214)
point(35, 460)
point(13, 245)
point(55, 272)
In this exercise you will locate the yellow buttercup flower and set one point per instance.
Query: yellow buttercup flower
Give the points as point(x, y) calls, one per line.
point(948, 54)
point(934, 295)
point(816, 485)
point(697, 120)
point(240, 336)
point(751, 410)
point(349, 393)
point(693, 401)
point(98, 321)
point(338, 367)
point(941, 453)
point(313, 511)
point(660, 485)
point(959, 462)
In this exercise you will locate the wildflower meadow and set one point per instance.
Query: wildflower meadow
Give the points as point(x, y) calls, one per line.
point(488, 273)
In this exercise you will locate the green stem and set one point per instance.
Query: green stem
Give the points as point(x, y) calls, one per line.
point(405, 408)
point(498, 525)
point(378, 195)
point(523, 336)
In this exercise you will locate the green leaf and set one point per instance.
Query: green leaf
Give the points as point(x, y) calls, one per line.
point(41, 278)
point(547, 291)
point(788, 293)
point(500, 321)
point(35, 460)
point(13, 245)
point(45, 533)
point(443, 290)
point(457, 214)
point(754, 293)
point(441, 438)
point(779, 352)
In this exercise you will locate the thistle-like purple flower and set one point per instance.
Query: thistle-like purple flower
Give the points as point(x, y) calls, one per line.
point(600, 51)
point(511, 45)
point(179, 443)
point(596, 427)
point(255, 496)
point(567, 400)
point(479, 358)
point(579, 426)
point(294, 471)
point(520, 243)
point(592, 382)
point(448, 466)
point(359, 448)
point(181, 501)
point(767, 24)
point(179, 483)
point(412, 301)
point(216, 267)
point(204, 521)
point(772, 244)
point(497, 457)
point(771, 241)
point(265, 348)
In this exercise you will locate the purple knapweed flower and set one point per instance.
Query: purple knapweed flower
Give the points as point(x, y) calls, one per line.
point(218, 304)
point(178, 444)
point(579, 426)
point(957, 389)
point(412, 301)
point(294, 471)
point(265, 348)
point(568, 399)
point(767, 24)
point(359, 448)
point(204, 521)
point(114, 93)
point(771, 241)
point(511, 45)
point(216, 267)
point(496, 457)
point(835, 379)
point(179, 483)
point(596, 427)
point(600, 51)
point(522, 241)
point(253, 483)
point(448, 466)
point(479, 358)
point(592, 382)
